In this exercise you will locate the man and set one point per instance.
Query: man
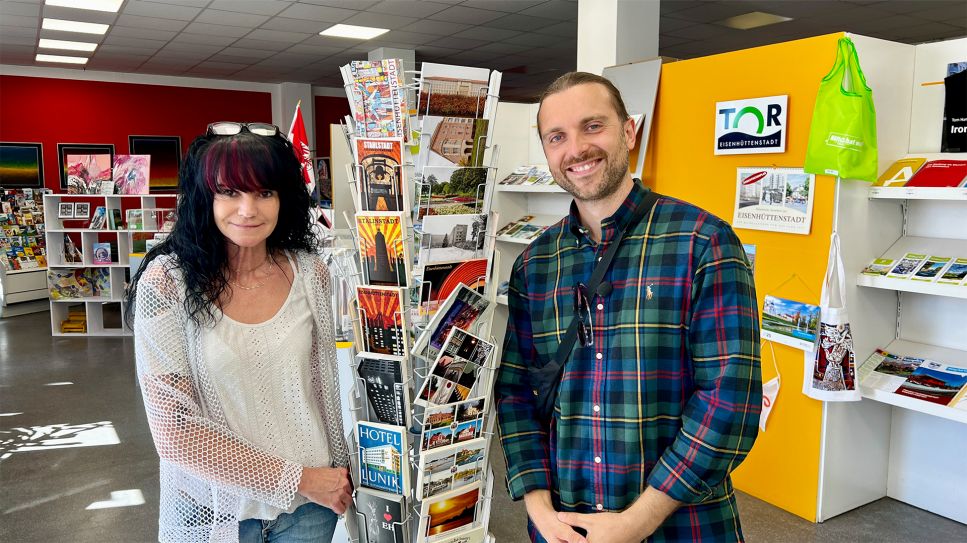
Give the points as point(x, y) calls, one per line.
point(660, 400)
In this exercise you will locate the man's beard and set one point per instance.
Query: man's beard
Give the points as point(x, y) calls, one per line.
point(616, 167)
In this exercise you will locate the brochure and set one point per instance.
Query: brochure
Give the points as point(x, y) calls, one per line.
point(955, 274)
point(879, 267)
point(940, 173)
point(931, 269)
point(907, 265)
point(928, 380)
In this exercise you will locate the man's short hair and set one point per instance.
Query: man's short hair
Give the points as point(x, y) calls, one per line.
point(573, 79)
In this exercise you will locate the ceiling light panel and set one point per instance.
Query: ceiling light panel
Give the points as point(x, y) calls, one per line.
point(66, 45)
point(61, 59)
point(754, 19)
point(355, 32)
point(111, 6)
point(74, 26)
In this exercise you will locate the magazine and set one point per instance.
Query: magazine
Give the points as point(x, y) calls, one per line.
point(383, 250)
point(381, 318)
point(448, 512)
point(383, 457)
point(462, 309)
point(880, 267)
point(382, 516)
point(955, 274)
point(461, 363)
point(451, 467)
point(445, 238)
point(923, 379)
point(931, 268)
point(440, 279)
point(907, 265)
point(386, 389)
point(381, 185)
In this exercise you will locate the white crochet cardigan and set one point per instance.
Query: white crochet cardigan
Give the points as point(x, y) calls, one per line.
point(205, 467)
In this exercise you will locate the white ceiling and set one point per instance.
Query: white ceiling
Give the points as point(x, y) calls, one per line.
point(531, 41)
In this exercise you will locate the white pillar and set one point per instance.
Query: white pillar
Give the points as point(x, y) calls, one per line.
point(614, 32)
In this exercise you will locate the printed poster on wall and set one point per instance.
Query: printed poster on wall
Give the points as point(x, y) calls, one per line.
point(774, 199)
point(751, 126)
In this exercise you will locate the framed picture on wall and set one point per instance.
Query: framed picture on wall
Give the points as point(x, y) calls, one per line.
point(82, 210)
point(65, 210)
point(165, 154)
point(64, 149)
point(21, 165)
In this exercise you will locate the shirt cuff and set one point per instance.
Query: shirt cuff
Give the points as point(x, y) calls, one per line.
point(530, 476)
point(672, 476)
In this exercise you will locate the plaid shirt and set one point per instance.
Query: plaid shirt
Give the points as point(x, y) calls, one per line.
point(669, 394)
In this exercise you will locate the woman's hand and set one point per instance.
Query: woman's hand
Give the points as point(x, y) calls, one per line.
point(329, 487)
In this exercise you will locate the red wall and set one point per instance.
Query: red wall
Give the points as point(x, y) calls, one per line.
point(52, 111)
point(328, 110)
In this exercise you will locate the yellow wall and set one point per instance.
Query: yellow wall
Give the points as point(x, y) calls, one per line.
point(783, 468)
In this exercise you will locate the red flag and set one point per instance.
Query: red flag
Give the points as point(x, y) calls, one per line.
point(300, 142)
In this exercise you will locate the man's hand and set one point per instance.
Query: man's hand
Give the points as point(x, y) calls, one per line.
point(329, 487)
point(542, 514)
point(608, 527)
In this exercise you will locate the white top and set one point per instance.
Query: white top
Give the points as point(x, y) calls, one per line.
point(260, 373)
point(206, 467)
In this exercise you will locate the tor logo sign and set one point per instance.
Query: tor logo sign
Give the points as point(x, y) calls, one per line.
point(751, 126)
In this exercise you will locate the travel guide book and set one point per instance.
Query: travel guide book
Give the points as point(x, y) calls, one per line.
point(462, 309)
point(381, 320)
point(940, 173)
point(381, 186)
point(383, 250)
point(385, 387)
point(381, 516)
point(457, 369)
point(383, 457)
point(900, 172)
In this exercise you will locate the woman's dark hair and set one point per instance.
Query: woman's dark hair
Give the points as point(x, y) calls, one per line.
point(245, 162)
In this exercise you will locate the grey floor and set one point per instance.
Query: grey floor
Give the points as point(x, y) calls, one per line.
point(45, 491)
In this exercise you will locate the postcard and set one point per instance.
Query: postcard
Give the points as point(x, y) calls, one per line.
point(454, 91)
point(461, 309)
point(381, 185)
point(448, 238)
point(450, 190)
point(381, 318)
point(383, 457)
point(791, 323)
point(447, 468)
point(445, 513)
point(440, 279)
point(383, 250)
point(455, 372)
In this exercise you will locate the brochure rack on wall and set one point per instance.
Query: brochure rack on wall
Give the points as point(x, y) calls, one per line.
point(422, 300)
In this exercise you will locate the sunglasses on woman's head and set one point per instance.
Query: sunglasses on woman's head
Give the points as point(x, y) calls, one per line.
point(226, 128)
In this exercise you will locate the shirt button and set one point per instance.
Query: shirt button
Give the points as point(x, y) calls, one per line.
point(597, 459)
point(599, 258)
point(600, 307)
point(599, 507)
point(597, 408)
point(599, 356)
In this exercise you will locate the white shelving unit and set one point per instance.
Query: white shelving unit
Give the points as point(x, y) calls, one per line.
point(889, 445)
point(84, 239)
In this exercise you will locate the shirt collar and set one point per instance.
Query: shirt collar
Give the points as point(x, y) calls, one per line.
point(618, 219)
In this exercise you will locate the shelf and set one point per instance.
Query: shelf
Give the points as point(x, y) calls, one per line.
point(556, 189)
point(919, 193)
point(76, 265)
point(28, 270)
point(954, 248)
point(97, 299)
point(909, 285)
point(105, 333)
point(518, 241)
point(921, 350)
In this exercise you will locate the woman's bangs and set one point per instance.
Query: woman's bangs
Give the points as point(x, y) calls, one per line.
point(241, 165)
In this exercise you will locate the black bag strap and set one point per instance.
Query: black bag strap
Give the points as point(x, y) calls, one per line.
point(567, 343)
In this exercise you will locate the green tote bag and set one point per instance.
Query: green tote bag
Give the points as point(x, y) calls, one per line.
point(842, 138)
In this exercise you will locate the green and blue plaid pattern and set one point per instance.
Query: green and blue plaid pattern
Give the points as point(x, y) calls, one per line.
point(668, 395)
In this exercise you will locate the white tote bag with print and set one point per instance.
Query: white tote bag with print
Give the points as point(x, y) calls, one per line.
point(830, 371)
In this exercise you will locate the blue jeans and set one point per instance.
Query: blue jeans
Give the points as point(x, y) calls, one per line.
point(309, 523)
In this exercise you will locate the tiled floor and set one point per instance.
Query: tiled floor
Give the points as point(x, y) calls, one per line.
point(45, 493)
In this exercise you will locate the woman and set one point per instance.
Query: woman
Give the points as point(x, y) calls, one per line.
point(235, 351)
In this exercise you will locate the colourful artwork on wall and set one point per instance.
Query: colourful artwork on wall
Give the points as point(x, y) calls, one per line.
point(131, 174)
point(64, 149)
point(85, 173)
point(21, 165)
point(165, 154)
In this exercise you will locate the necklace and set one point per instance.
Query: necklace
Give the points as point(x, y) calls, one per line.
point(258, 284)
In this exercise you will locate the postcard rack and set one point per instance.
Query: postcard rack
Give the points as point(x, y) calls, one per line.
point(422, 185)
